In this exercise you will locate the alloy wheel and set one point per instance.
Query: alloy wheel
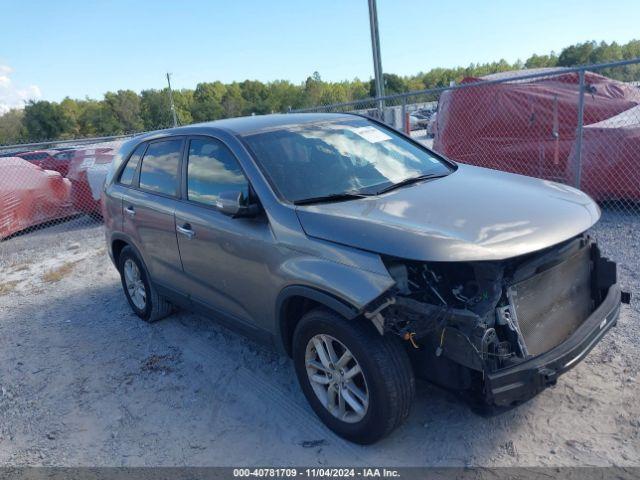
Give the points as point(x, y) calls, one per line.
point(337, 378)
point(135, 285)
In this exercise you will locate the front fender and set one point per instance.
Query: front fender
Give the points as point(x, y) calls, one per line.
point(345, 289)
point(353, 286)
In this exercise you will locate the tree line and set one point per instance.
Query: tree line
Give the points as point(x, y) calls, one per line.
point(126, 111)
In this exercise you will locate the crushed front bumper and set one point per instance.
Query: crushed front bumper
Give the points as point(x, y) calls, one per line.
point(513, 385)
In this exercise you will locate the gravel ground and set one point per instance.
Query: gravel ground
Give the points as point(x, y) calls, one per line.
point(83, 382)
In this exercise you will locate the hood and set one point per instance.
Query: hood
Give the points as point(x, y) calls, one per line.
point(472, 214)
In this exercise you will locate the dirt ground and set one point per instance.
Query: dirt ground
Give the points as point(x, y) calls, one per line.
point(83, 382)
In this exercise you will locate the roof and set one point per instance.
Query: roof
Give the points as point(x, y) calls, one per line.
point(16, 162)
point(519, 73)
point(257, 123)
point(629, 119)
point(31, 152)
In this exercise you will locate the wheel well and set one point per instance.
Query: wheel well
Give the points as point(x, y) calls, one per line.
point(296, 300)
point(116, 248)
point(293, 310)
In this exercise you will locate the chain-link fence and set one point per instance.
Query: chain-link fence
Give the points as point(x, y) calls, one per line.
point(50, 200)
point(578, 126)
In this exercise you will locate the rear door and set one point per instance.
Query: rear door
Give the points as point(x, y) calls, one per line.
point(224, 258)
point(149, 206)
point(112, 200)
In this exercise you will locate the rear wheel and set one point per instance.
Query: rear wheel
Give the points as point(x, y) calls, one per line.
point(141, 294)
point(358, 382)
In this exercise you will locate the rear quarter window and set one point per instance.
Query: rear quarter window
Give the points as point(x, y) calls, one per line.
point(129, 171)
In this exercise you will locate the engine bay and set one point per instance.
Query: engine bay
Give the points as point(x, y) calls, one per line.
point(468, 317)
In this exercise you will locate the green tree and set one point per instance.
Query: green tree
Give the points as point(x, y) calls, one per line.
point(283, 95)
point(11, 128)
point(71, 110)
point(334, 93)
point(358, 89)
point(539, 61)
point(155, 109)
point(631, 50)
point(125, 105)
point(578, 54)
point(207, 101)
point(313, 87)
point(256, 95)
point(45, 120)
point(392, 84)
point(232, 102)
point(183, 101)
point(126, 111)
point(97, 119)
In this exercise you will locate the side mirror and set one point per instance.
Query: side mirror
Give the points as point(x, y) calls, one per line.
point(233, 204)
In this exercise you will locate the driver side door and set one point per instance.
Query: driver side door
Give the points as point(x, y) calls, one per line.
point(223, 258)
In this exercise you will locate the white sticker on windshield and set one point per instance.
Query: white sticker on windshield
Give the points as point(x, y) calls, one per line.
point(372, 134)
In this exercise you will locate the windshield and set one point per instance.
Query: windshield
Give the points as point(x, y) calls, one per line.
point(348, 156)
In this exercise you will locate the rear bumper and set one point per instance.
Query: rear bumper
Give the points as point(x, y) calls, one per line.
point(520, 382)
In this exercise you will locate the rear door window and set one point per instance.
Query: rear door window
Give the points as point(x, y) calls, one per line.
point(159, 170)
point(129, 172)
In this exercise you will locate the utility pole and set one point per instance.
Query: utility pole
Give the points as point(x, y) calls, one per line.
point(173, 107)
point(375, 47)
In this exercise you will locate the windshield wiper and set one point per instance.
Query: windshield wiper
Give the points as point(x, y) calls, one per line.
point(410, 180)
point(334, 197)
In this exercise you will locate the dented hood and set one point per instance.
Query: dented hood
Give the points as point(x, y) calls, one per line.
point(472, 214)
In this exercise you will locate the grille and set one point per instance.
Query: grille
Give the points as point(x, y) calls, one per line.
point(550, 305)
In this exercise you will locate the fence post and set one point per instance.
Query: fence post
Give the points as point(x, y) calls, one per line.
point(405, 126)
point(578, 157)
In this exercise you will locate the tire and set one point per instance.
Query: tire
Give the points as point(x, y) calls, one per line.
point(155, 306)
point(387, 376)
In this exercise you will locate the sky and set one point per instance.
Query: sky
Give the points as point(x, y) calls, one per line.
point(84, 48)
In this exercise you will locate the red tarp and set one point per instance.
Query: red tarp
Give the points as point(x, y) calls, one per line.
point(611, 157)
point(87, 172)
point(526, 127)
point(30, 195)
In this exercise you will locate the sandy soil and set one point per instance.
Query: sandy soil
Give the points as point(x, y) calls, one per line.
point(83, 382)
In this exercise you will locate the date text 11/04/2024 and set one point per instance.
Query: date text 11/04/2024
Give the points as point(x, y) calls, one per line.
point(316, 472)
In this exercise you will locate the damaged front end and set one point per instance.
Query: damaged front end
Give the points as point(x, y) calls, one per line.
point(469, 324)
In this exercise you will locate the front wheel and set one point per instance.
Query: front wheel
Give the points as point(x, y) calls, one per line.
point(358, 382)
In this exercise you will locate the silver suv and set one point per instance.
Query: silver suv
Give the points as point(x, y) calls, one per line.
point(366, 257)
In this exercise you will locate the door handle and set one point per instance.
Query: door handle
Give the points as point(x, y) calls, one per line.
point(185, 230)
point(130, 211)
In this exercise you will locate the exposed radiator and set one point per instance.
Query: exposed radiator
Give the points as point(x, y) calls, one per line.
point(550, 305)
